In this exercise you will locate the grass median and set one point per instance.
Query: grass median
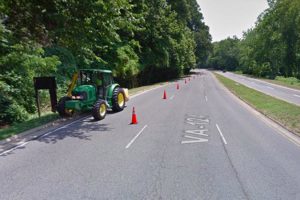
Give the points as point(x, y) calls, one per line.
point(34, 121)
point(286, 114)
point(290, 82)
point(287, 82)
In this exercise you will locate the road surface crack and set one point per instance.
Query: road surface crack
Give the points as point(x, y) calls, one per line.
point(236, 173)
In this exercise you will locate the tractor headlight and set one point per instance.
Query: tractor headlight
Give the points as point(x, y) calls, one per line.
point(77, 97)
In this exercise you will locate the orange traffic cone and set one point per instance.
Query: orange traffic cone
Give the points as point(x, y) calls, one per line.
point(133, 118)
point(165, 95)
point(185, 81)
point(177, 87)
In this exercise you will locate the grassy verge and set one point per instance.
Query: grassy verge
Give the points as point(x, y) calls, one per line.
point(137, 90)
point(34, 121)
point(288, 82)
point(24, 126)
point(286, 114)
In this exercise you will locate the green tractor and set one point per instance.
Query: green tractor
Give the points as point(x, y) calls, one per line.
point(93, 90)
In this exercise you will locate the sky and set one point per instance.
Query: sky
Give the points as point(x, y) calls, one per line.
point(230, 17)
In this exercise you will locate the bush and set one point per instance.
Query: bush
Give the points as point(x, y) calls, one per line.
point(19, 63)
point(11, 112)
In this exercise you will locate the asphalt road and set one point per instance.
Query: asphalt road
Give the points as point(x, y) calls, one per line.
point(281, 92)
point(200, 143)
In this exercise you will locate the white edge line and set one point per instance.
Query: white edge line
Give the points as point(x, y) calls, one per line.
point(135, 137)
point(260, 90)
point(136, 95)
point(206, 99)
point(172, 97)
point(296, 95)
point(14, 148)
point(65, 126)
point(50, 132)
point(279, 129)
point(44, 135)
point(267, 83)
point(221, 134)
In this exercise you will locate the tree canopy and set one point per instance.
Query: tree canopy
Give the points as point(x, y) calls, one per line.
point(140, 41)
point(269, 49)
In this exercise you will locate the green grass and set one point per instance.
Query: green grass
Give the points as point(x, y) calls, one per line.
point(238, 72)
point(288, 82)
point(137, 90)
point(286, 114)
point(34, 121)
point(24, 126)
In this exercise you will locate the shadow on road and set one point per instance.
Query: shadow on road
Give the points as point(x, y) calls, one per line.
point(81, 131)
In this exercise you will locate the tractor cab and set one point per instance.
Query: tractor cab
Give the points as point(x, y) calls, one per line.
point(100, 79)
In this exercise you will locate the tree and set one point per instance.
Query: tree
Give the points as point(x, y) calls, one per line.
point(225, 54)
point(272, 47)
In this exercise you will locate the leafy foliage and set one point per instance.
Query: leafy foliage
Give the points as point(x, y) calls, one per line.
point(140, 41)
point(225, 54)
point(19, 63)
point(272, 47)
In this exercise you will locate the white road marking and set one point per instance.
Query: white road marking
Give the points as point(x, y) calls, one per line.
point(50, 132)
point(221, 134)
point(65, 126)
point(197, 140)
point(135, 137)
point(206, 98)
point(172, 97)
point(297, 95)
point(44, 135)
point(136, 95)
point(197, 132)
point(14, 148)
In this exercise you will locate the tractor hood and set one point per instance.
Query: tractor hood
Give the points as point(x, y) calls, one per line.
point(84, 88)
point(82, 97)
point(88, 92)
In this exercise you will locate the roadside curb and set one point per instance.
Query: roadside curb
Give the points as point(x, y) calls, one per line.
point(277, 126)
point(35, 133)
point(261, 90)
point(21, 139)
point(273, 84)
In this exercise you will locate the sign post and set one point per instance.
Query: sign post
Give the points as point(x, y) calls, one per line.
point(48, 83)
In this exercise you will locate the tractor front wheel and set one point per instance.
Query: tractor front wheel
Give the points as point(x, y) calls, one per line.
point(61, 109)
point(118, 100)
point(99, 110)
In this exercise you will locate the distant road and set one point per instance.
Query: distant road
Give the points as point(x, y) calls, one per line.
point(281, 92)
point(201, 143)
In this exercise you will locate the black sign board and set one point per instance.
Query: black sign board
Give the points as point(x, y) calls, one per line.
point(45, 83)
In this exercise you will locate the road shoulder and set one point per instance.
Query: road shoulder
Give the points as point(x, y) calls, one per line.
point(279, 128)
point(20, 139)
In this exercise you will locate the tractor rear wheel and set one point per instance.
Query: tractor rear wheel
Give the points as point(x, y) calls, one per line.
point(99, 110)
point(118, 100)
point(61, 109)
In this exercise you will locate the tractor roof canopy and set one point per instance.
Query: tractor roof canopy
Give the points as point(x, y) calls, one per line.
point(98, 77)
point(96, 70)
